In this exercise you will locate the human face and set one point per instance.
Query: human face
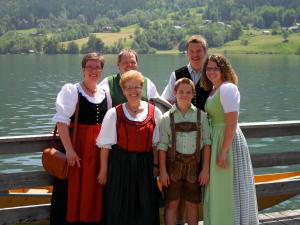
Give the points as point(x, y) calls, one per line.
point(128, 62)
point(213, 73)
point(196, 55)
point(184, 94)
point(132, 90)
point(92, 71)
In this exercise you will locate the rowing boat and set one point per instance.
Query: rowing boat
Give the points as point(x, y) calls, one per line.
point(42, 195)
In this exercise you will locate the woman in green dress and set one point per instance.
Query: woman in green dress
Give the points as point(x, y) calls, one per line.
point(230, 197)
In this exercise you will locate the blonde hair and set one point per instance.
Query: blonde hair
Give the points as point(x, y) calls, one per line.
point(227, 72)
point(131, 75)
point(184, 81)
point(198, 39)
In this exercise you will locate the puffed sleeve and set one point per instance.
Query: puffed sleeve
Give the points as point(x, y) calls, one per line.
point(157, 116)
point(108, 133)
point(230, 97)
point(66, 103)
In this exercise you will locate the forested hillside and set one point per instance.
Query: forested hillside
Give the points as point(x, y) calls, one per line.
point(44, 25)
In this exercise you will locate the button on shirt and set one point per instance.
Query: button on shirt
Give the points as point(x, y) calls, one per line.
point(168, 91)
point(185, 141)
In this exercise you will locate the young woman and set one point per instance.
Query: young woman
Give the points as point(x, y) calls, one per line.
point(230, 197)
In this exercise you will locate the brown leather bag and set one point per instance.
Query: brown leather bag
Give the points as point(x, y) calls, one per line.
point(54, 161)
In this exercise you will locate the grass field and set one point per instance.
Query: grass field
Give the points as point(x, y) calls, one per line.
point(110, 38)
point(263, 44)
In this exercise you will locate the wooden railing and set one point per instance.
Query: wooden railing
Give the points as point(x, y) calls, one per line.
point(35, 143)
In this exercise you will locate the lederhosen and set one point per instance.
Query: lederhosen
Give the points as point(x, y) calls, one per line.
point(116, 92)
point(184, 166)
point(201, 94)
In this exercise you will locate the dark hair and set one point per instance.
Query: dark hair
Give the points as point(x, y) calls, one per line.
point(127, 51)
point(92, 56)
point(198, 39)
point(227, 72)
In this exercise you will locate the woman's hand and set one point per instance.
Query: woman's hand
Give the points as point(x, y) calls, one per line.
point(102, 176)
point(203, 176)
point(72, 158)
point(164, 178)
point(222, 159)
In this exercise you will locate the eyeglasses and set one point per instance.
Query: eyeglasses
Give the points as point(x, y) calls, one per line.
point(130, 88)
point(90, 68)
point(212, 69)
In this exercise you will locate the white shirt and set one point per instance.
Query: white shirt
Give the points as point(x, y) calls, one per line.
point(67, 99)
point(151, 89)
point(108, 133)
point(229, 96)
point(168, 91)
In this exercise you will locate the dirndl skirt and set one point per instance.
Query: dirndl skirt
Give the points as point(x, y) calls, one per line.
point(130, 194)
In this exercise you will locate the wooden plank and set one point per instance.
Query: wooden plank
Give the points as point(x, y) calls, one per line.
point(24, 214)
point(25, 144)
point(277, 188)
point(275, 159)
point(271, 129)
point(24, 180)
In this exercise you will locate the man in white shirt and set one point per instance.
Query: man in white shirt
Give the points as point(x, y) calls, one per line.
point(127, 60)
point(196, 47)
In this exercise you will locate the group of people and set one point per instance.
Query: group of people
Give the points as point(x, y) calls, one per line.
point(124, 143)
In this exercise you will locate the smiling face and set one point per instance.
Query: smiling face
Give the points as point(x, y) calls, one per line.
point(184, 94)
point(92, 71)
point(127, 62)
point(133, 90)
point(196, 54)
point(213, 73)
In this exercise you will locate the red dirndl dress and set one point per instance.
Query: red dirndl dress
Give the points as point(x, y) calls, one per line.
point(79, 198)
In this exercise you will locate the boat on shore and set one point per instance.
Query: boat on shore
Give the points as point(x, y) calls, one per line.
point(42, 195)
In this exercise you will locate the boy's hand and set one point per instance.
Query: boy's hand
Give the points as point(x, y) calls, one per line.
point(203, 177)
point(164, 178)
point(102, 177)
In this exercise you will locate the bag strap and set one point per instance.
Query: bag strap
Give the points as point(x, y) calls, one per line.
point(75, 127)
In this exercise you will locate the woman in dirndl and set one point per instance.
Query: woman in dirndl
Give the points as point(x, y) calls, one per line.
point(128, 157)
point(78, 199)
point(230, 197)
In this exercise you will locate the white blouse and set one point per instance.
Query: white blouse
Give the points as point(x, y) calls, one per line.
point(67, 99)
point(229, 96)
point(108, 133)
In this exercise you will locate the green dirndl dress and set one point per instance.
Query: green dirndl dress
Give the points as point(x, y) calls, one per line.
point(230, 197)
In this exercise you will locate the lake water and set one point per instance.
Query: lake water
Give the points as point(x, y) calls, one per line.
point(269, 86)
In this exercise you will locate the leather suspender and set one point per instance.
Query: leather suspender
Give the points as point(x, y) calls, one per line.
point(185, 127)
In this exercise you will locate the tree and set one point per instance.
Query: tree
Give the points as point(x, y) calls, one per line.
point(275, 27)
point(236, 30)
point(93, 44)
point(285, 35)
point(72, 48)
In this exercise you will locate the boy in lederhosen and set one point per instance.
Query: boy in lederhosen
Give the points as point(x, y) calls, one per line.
point(184, 130)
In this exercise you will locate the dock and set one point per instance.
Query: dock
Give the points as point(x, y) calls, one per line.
point(264, 190)
point(289, 217)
